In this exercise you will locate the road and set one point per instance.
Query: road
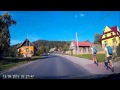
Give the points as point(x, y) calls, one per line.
point(50, 67)
point(58, 66)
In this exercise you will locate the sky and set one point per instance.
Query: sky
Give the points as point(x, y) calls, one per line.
point(60, 25)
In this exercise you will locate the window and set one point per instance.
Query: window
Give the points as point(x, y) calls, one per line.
point(27, 49)
point(105, 42)
point(111, 34)
point(105, 36)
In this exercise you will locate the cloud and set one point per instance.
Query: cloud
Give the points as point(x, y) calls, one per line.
point(82, 15)
point(13, 42)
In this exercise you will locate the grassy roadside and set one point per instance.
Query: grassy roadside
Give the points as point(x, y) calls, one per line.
point(100, 57)
point(9, 62)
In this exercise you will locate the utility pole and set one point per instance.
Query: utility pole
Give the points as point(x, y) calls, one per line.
point(77, 41)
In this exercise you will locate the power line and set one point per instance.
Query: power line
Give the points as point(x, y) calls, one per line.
point(99, 21)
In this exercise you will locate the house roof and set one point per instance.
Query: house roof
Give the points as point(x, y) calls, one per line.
point(26, 43)
point(114, 29)
point(82, 43)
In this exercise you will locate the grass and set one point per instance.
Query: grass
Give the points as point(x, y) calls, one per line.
point(100, 57)
point(9, 62)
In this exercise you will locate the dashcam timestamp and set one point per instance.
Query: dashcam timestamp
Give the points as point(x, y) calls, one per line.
point(18, 76)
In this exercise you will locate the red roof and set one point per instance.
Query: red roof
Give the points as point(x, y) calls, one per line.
point(82, 43)
point(114, 29)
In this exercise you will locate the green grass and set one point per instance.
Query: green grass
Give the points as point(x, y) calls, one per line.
point(9, 62)
point(100, 57)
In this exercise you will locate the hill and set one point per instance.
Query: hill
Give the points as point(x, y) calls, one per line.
point(40, 45)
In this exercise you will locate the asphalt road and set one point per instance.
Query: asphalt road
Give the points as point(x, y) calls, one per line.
point(49, 67)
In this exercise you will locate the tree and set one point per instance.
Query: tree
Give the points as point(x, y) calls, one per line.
point(47, 49)
point(5, 22)
point(87, 41)
point(66, 47)
point(118, 50)
point(97, 38)
point(114, 44)
point(41, 50)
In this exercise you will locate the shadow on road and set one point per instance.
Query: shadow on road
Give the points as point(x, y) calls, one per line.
point(47, 56)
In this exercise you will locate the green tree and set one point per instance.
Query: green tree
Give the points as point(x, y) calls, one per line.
point(118, 50)
point(97, 38)
point(87, 41)
point(5, 22)
point(66, 47)
point(47, 49)
point(41, 49)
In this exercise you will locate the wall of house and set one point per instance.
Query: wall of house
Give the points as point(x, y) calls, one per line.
point(108, 34)
point(110, 41)
point(23, 49)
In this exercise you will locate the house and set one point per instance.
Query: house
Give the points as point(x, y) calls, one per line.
point(52, 49)
point(111, 36)
point(26, 49)
point(83, 47)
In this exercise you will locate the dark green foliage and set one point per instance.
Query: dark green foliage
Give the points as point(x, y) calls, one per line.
point(42, 46)
point(97, 38)
point(5, 22)
point(118, 50)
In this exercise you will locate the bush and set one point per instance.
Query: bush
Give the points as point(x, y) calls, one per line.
point(117, 59)
point(118, 50)
point(114, 55)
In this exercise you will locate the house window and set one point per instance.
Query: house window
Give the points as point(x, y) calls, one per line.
point(27, 50)
point(105, 42)
point(111, 34)
point(105, 36)
point(112, 40)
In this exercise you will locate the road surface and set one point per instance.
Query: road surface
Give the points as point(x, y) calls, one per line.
point(57, 67)
point(48, 67)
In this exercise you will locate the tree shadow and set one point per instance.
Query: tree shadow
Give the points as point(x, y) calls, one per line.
point(44, 57)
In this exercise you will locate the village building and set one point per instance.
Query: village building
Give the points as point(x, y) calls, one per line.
point(83, 47)
point(111, 36)
point(26, 49)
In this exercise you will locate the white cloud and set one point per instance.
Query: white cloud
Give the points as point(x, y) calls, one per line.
point(82, 15)
point(13, 42)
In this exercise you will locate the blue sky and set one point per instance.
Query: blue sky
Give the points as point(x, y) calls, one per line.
point(60, 25)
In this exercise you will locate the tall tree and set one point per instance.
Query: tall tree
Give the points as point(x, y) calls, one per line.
point(47, 49)
point(41, 49)
point(87, 41)
point(5, 22)
point(66, 47)
point(97, 38)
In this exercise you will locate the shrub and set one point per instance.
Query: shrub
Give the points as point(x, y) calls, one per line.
point(118, 59)
point(118, 50)
point(114, 55)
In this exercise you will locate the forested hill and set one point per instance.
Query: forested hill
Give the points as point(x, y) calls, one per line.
point(50, 44)
point(41, 46)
